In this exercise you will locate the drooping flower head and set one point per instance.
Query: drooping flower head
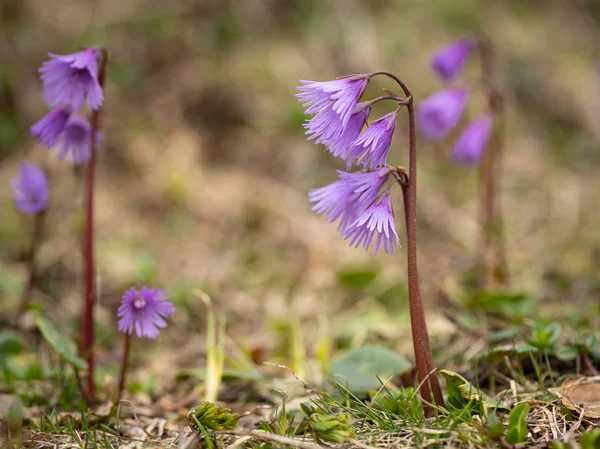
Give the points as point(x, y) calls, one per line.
point(372, 146)
point(30, 189)
point(449, 62)
point(376, 221)
point(327, 127)
point(349, 196)
point(51, 126)
point(75, 143)
point(69, 79)
point(441, 112)
point(471, 144)
point(343, 92)
point(145, 311)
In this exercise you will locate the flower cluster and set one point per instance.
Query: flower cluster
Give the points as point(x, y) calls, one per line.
point(440, 113)
point(145, 311)
point(68, 81)
point(357, 199)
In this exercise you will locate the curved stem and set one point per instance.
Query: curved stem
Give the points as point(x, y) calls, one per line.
point(493, 263)
point(87, 341)
point(36, 239)
point(422, 347)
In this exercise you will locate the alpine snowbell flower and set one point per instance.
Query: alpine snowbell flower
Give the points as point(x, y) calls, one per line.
point(372, 146)
point(471, 144)
point(51, 126)
point(30, 189)
point(327, 127)
point(377, 219)
point(69, 79)
point(441, 112)
point(349, 196)
point(75, 142)
point(449, 62)
point(343, 92)
point(144, 310)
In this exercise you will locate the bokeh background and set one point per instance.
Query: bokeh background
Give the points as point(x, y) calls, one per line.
point(204, 167)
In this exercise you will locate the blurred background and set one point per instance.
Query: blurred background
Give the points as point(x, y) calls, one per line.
point(204, 168)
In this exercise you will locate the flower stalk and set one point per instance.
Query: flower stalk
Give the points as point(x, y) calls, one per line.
point(493, 265)
point(124, 366)
point(36, 240)
point(87, 341)
point(421, 344)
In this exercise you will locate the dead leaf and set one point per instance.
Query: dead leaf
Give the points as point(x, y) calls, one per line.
point(582, 394)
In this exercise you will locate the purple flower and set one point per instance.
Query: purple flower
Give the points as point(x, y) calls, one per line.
point(377, 219)
point(343, 92)
point(327, 127)
point(30, 189)
point(51, 126)
point(75, 141)
point(441, 112)
point(471, 144)
point(349, 196)
point(372, 146)
point(450, 60)
point(69, 79)
point(144, 310)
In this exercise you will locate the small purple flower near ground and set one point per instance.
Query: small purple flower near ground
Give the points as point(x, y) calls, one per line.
point(449, 62)
point(30, 189)
point(144, 310)
point(349, 196)
point(471, 144)
point(69, 79)
point(377, 219)
point(344, 93)
point(372, 146)
point(51, 126)
point(441, 112)
point(327, 127)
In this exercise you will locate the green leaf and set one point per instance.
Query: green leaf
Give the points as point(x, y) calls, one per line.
point(460, 392)
point(590, 440)
point(359, 367)
point(495, 427)
point(10, 344)
point(517, 424)
point(61, 344)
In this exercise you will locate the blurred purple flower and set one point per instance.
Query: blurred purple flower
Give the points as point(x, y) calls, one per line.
point(349, 196)
point(75, 143)
point(471, 144)
point(441, 112)
point(372, 146)
point(69, 79)
point(343, 92)
point(30, 189)
point(51, 126)
point(377, 219)
point(144, 310)
point(327, 127)
point(450, 60)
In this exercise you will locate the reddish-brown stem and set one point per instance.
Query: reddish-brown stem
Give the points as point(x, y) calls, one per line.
point(492, 261)
point(36, 240)
point(124, 365)
point(422, 347)
point(87, 341)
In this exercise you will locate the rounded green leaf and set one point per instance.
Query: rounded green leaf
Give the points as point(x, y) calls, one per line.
point(517, 424)
point(61, 344)
point(358, 368)
point(10, 344)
